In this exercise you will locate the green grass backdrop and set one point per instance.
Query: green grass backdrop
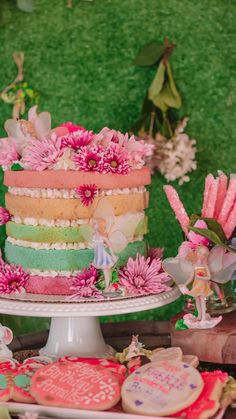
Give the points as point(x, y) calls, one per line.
point(80, 61)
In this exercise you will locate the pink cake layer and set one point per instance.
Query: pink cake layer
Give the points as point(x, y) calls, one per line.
point(61, 179)
point(59, 285)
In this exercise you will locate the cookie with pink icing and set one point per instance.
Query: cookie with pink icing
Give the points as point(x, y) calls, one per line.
point(117, 369)
point(161, 388)
point(208, 402)
point(21, 384)
point(6, 381)
point(75, 385)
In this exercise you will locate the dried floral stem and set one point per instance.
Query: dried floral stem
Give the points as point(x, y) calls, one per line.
point(69, 4)
point(168, 50)
point(152, 120)
point(18, 57)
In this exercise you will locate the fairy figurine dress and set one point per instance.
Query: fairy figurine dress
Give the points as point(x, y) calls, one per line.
point(102, 258)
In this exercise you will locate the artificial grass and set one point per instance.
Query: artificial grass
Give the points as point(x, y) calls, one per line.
point(80, 60)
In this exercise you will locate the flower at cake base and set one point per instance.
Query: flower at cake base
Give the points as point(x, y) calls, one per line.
point(13, 279)
point(72, 127)
point(89, 159)
point(84, 284)
point(142, 276)
point(5, 216)
point(87, 193)
point(42, 154)
point(115, 160)
point(8, 153)
point(77, 139)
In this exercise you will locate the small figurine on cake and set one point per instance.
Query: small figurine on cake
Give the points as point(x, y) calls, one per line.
point(204, 259)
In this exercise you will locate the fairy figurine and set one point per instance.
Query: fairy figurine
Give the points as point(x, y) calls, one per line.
point(204, 259)
point(106, 241)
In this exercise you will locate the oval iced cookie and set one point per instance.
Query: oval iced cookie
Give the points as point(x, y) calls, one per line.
point(161, 388)
point(75, 385)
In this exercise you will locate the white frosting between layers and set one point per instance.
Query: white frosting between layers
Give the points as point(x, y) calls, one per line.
point(58, 246)
point(69, 193)
point(52, 274)
point(119, 220)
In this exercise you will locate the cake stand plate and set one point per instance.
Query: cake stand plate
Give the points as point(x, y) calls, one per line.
point(75, 328)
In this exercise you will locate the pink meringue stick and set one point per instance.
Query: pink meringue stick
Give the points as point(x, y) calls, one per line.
point(211, 199)
point(177, 207)
point(230, 224)
point(228, 202)
point(222, 189)
point(208, 182)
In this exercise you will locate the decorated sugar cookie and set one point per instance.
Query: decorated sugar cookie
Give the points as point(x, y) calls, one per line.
point(21, 387)
point(6, 384)
point(161, 388)
point(208, 402)
point(75, 385)
point(117, 369)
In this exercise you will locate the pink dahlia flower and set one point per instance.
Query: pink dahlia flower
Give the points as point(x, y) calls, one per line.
point(89, 159)
point(5, 216)
point(87, 193)
point(13, 279)
point(77, 139)
point(84, 283)
point(115, 160)
point(8, 153)
point(42, 154)
point(142, 276)
point(72, 127)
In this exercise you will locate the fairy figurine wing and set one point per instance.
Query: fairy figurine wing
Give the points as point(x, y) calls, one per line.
point(105, 211)
point(179, 269)
point(222, 264)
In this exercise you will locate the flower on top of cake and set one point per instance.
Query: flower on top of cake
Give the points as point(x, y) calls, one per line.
point(34, 145)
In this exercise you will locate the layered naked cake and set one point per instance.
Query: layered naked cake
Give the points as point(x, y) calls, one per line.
point(50, 232)
point(75, 212)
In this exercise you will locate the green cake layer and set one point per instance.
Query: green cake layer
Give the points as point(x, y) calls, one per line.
point(64, 260)
point(44, 234)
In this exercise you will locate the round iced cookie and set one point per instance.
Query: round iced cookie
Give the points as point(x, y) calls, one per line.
point(61, 179)
point(21, 387)
point(161, 388)
point(75, 385)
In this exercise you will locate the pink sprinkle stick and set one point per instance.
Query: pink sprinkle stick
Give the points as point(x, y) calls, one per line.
point(228, 202)
point(177, 207)
point(222, 189)
point(230, 224)
point(211, 200)
point(208, 182)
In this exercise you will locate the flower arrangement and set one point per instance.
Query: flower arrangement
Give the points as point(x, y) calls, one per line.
point(34, 145)
point(174, 152)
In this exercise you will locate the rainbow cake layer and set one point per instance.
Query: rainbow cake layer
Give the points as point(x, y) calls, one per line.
point(50, 233)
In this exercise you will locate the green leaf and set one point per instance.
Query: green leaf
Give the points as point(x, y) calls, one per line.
point(150, 54)
point(16, 167)
point(180, 325)
point(26, 5)
point(212, 236)
point(174, 92)
point(212, 224)
point(157, 83)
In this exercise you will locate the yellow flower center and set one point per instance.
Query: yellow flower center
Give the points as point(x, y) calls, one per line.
point(114, 164)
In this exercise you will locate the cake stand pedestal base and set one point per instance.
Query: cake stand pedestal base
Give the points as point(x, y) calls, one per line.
point(76, 336)
point(210, 345)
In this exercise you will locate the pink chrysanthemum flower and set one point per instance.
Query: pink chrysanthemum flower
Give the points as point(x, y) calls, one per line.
point(142, 276)
point(8, 153)
point(89, 159)
point(42, 154)
point(87, 193)
point(5, 216)
point(72, 127)
point(13, 279)
point(77, 139)
point(115, 160)
point(84, 283)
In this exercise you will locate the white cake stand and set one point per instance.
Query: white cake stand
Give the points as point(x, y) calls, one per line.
point(75, 328)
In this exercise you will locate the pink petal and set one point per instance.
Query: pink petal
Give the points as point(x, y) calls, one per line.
point(228, 202)
point(208, 182)
point(222, 189)
point(177, 207)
